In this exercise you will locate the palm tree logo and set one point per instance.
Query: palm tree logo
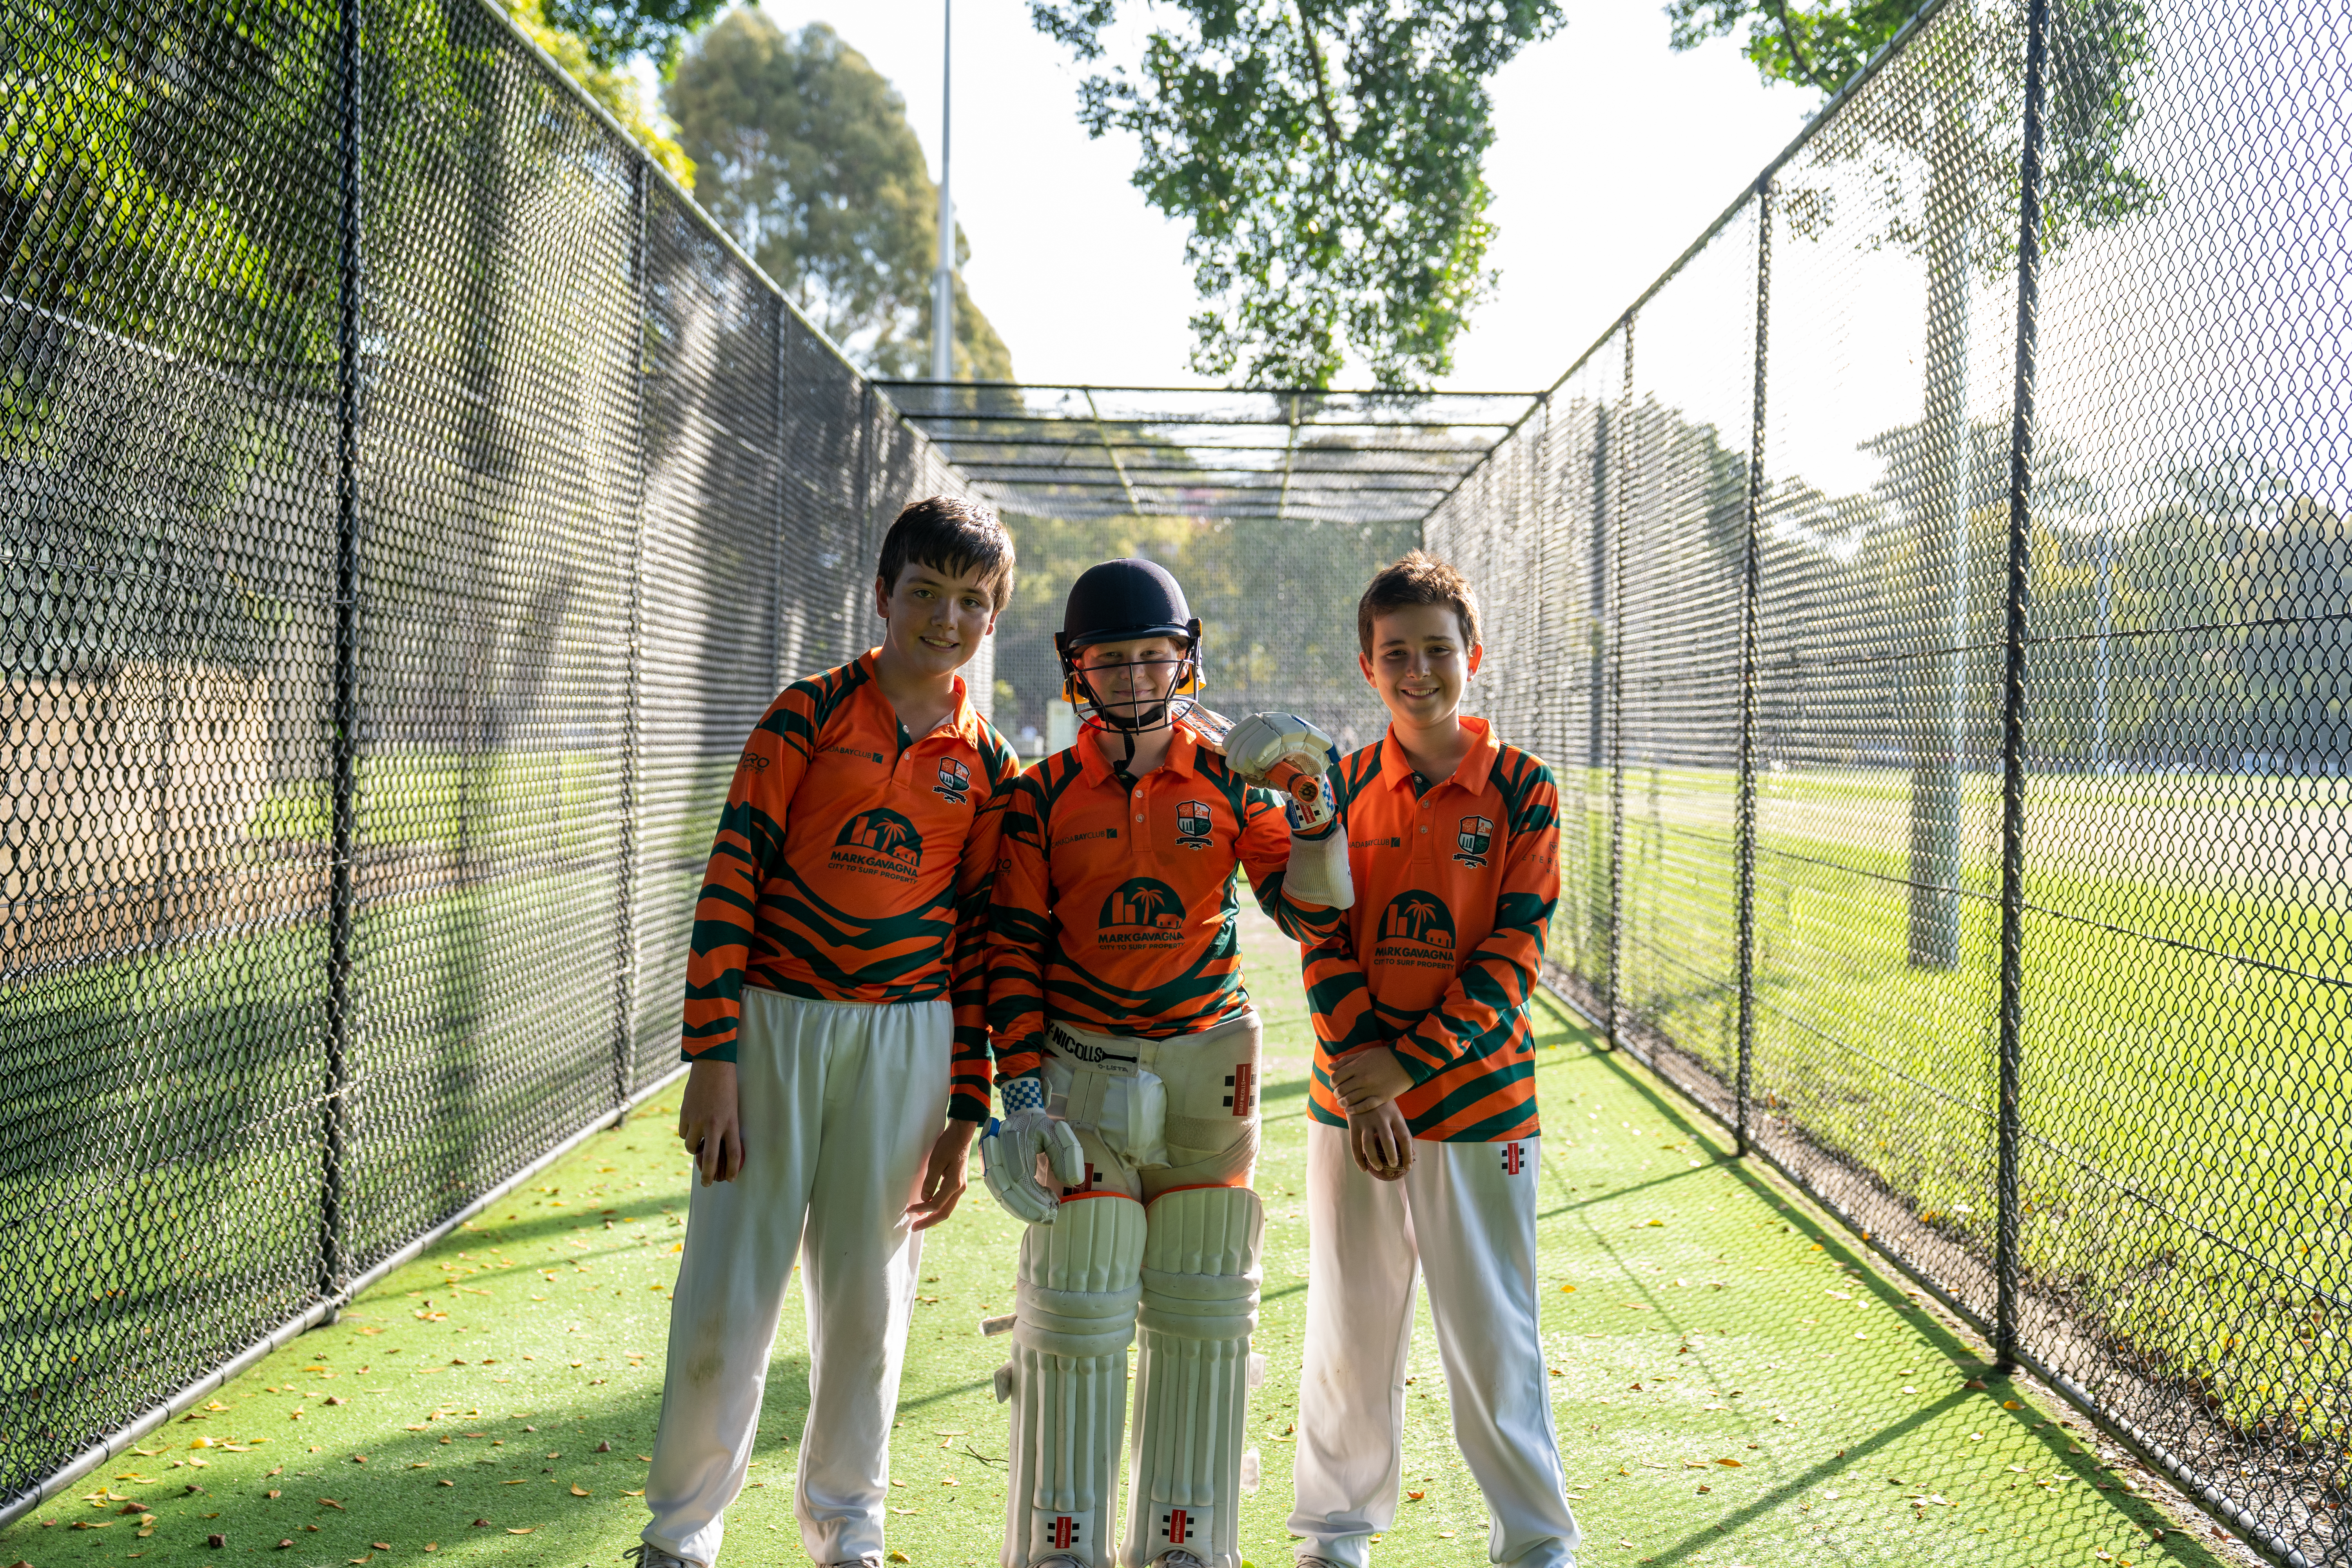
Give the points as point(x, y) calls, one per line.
point(1418, 917)
point(1143, 901)
point(884, 832)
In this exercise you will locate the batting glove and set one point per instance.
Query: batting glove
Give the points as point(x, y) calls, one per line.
point(1286, 752)
point(1009, 1150)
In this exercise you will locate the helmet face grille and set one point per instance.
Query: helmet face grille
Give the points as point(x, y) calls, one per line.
point(1121, 601)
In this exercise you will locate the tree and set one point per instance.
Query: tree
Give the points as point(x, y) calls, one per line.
point(607, 82)
point(1944, 141)
point(802, 151)
point(1327, 155)
point(610, 31)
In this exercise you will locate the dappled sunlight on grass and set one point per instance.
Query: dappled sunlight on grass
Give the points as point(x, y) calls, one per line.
point(1733, 1383)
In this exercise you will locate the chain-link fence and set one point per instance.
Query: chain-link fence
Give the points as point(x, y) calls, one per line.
point(407, 503)
point(1941, 608)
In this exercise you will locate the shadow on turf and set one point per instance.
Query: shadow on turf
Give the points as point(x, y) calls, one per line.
point(1861, 1271)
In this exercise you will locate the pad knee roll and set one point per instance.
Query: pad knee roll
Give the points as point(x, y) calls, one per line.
point(1073, 1316)
point(1200, 1294)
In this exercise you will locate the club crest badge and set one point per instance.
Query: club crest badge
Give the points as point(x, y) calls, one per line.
point(1193, 824)
point(1475, 834)
point(955, 781)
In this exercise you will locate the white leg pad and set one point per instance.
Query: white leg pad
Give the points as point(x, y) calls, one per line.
point(1073, 1319)
point(1192, 1375)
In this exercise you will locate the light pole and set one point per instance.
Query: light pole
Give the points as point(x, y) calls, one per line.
point(944, 280)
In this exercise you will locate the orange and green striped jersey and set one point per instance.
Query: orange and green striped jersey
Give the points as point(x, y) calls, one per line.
point(852, 865)
point(1454, 886)
point(1116, 913)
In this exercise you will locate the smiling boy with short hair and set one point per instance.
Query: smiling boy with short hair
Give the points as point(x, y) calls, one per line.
point(1422, 1146)
point(835, 1018)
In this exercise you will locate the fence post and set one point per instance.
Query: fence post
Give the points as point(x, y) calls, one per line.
point(625, 979)
point(345, 717)
point(2012, 684)
point(1744, 826)
point(1616, 694)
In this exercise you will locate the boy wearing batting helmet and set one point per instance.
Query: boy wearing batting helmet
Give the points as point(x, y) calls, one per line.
point(1421, 1142)
point(835, 1015)
point(1126, 1055)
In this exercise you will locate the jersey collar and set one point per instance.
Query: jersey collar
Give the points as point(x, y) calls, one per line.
point(964, 723)
point(1183, 754)
point(1470, 774)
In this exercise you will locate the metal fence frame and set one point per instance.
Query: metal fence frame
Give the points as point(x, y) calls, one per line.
point(809, 624)
point(1987, 1291)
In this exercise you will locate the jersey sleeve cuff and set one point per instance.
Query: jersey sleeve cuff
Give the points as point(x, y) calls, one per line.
point(718, 1051)
point(1021, 1063)
point(962, 1106)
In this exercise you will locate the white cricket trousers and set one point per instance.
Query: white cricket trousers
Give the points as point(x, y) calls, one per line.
point(1468, 1212)
point(841, 1103)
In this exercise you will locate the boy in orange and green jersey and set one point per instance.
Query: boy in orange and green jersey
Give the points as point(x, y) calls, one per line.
point(835, 1018)
point(1127, 1050)
point(1423, 1139)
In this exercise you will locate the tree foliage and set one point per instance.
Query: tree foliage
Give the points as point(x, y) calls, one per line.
point(802, 150)
point(610, 84)
point(610, 31)
point(2098, 50)
point(1328, 156)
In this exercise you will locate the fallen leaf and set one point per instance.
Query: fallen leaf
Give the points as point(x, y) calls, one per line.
point(331, 1503)
point(380, 1545)
point(1416, 1496)
point(481, 1523)
point(1733, 1464)
point(578, 1491)
point(522, 1530)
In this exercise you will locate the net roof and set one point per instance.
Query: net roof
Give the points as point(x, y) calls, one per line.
point(1249, 454)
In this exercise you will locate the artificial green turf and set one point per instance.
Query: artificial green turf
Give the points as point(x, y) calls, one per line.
point(2184, 1219)
point(1711, 1318)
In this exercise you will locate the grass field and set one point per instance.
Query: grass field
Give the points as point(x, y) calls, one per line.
point(2186, 1031)
point(493, 1400)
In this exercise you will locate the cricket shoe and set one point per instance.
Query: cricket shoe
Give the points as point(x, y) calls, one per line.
point(1179, 1558)
point(645, 1554)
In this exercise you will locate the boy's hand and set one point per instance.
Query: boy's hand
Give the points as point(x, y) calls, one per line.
point(1364, 1081)
point(708, 1121)
point(1382, 1141)
point(944, 1177)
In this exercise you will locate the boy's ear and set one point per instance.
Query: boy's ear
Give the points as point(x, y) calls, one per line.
point(1477, 651)
point(881, 595)
point(1364, 663)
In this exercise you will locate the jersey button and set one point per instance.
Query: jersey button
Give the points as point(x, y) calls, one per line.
point(1424, 827)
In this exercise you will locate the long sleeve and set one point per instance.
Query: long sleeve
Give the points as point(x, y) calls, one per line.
point(1264, 851)
point(968, 1089)
point(1500, 973)
point(1021, 905)
point(748, 850)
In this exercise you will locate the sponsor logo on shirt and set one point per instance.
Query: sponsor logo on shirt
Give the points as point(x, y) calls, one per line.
point(1391, 842)
point(880, 842)
point(755, 762)
point(858, 751)
point(955, 780)
point(1081, 837)
point(1417, 930)
point(1141, 911)
point(1473, 834)
point(1193, 824)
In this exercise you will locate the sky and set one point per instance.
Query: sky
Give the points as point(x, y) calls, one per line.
point(1611, 153)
